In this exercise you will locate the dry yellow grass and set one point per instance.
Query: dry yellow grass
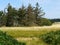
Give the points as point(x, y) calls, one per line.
point(53, 27)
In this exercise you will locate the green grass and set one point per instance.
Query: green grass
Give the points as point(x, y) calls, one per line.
point(31, 34)
point(21, 33)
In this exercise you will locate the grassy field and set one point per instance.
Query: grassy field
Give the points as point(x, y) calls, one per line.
point(30, 35)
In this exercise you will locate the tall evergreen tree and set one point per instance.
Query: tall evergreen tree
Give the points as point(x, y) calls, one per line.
point(30, 16)
point(1, 14)
point(11, 16)
point(38, 13)
point(21, 15)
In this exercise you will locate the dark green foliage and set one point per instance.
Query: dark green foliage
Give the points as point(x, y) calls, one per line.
point(24, 16)
point(11, 16)
point(38, 12)
point(30, 18)
point(55, 20)
point(52, 38)
point(8, 40)
point(43, 22)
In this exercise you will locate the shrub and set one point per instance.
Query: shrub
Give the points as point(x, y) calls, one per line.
point(52, 38)
point(44, 22)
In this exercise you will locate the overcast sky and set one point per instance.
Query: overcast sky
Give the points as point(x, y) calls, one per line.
point(50, 7)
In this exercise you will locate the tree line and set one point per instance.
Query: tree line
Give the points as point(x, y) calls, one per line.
point(55, 20)
point(24, 16)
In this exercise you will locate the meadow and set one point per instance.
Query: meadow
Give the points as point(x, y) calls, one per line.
point(30, 35)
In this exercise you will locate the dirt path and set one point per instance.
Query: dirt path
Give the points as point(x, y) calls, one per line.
point(27, 38)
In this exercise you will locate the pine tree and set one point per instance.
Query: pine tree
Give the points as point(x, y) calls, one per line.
point(11, 16)
point(30, 18)
point(21, 15)
point(38, 13)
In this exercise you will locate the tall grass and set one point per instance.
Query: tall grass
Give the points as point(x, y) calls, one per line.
point(29, 32)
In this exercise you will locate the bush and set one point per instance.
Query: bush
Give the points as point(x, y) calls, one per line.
point(52, 38)
point(44, 22)
point(8, 40)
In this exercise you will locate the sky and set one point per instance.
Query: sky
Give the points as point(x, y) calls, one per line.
point(50, 7)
